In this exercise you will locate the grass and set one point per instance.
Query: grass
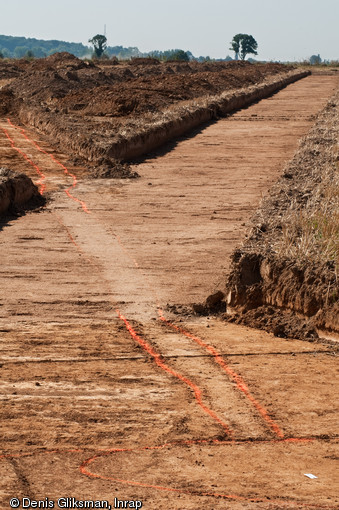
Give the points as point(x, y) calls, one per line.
point(310, 231)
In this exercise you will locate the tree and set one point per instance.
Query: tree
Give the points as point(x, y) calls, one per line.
point(100, 44)
point(315, 60)
point(20, 51)
point(243, 44)
point(180, 55)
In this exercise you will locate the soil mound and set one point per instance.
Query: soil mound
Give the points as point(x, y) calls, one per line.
point(97, 111)
point(285, 277)
point(140, 61)
point(17, 192)
point(113, 170)
point(62, 82)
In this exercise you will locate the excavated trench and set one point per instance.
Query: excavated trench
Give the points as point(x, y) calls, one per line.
point(104, 397)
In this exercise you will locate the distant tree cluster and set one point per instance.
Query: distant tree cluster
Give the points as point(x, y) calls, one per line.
point(23, 47)
point(315, 60)
point(176, 54)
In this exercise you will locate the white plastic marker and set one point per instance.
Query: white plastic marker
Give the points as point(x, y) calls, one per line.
point(309, 475)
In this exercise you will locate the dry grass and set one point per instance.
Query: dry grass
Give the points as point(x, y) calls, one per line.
point(310, 229)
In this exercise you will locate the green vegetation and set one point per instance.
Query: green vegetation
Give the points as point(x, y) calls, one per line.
point(23, 47)
point(17, 47)
point(315, 60)
point(99, 43)
point(244, 44)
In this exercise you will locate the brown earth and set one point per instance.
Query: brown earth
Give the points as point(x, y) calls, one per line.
point(95, 111)
point(85, 400)
point(279, 287)
point(66, 85)
point(17, 192)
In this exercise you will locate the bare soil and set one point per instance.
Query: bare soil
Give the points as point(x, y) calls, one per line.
point(285, 289)
point(102, 396)
point(17, 193)
point(97, 110)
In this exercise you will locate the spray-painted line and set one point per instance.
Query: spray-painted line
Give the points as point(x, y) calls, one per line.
point(240, 383)
point(24, 155)
point(197, 392)
point(87, 471)
point(65, 169)
point(160, 362)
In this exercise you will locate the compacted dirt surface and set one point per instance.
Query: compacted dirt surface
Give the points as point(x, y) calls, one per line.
point(107, 393)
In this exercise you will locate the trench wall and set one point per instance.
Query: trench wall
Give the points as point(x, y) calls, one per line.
point(152, 136)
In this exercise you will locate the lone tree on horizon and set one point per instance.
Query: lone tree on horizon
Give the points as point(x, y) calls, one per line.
point(244, 44)
point(100, 44)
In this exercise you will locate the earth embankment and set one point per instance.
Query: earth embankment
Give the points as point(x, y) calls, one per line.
point(285, 276)
point(17, 191)
point(113, 113)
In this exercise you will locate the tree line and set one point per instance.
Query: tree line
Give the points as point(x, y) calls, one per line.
point(23, 47)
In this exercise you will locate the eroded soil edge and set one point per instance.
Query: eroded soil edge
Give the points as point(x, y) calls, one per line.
point(107, 117)
point(284, 278)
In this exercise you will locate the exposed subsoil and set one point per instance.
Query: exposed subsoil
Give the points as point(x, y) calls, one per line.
point(91, 108)
point(67, 85)
point(105, 395)
point(293, 296)
point(17, 193)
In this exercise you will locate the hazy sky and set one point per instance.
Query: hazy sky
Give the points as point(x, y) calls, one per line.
point(284, 29)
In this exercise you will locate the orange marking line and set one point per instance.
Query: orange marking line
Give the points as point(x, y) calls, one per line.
point(73, 240)
point(240, 383)
point(196, 390)
point(84, 469)
point(24, 155)
point(233, 375)
point(66, 171)
point(157, 358)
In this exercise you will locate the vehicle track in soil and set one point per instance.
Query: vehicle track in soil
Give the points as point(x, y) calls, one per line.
point(65, 312)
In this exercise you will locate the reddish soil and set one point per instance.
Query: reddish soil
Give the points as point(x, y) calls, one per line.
point(195, 413)
point(66, 85)
point(90, 109)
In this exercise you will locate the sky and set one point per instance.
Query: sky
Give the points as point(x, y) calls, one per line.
point(284, 29)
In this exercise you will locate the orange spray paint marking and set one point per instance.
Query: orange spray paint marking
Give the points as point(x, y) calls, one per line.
point(159, 361)
point(157, 358)
point(24, 155)
point(240, 383)
point(85, 470)
point(66, 171)
point(73, 240)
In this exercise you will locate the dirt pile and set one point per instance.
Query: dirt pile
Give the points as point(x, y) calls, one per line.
point(68, 85)
point(285, 277)
point(116, 113)
point(17, 192)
